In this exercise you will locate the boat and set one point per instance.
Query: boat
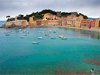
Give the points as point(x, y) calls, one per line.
point(46, 34)
point(35, 42)
point(21, 36)
point(40, 37)
point(64, 38)
point(60, 36)
point(56, 33)
point(53, 38)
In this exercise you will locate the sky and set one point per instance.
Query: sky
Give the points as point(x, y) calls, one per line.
point(91, 8)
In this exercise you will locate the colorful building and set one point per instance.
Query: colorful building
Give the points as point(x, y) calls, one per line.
point(17, 22)
point(70, 23)
point(97, 24)
point(93, 23)
point(31, 21)
point(49, 16)
point(76, 23)
point(44, 22)
point(85, 23)
point(38, 22)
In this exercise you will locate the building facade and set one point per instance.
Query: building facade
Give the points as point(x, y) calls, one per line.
point(85, 23)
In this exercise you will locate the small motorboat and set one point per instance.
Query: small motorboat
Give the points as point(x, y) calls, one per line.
point(64, 38)
point(21, 36)
point(53, 38)
point(56, 33)
point(60, 36)
point(46, 34)
point(35, 42)
point(40, 37)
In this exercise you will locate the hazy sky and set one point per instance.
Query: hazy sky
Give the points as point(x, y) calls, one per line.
point(90, 8)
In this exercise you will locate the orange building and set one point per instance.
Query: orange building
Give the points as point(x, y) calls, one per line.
point(85, 23)
point(44, 22)
point(52, 22)
point(93, 23)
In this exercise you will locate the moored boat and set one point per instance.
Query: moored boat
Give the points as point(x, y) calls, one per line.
point(53, 37)
point(60, 36)
point(40, 37)
point(64, 38)
point(35, 42)
point(21, 36)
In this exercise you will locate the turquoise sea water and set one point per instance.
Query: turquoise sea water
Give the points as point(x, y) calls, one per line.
point(2, 22)
point(20, 56)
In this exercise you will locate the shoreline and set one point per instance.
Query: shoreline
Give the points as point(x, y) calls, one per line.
point(93, 30)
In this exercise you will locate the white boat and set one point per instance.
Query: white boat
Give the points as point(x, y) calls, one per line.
point(46, 34)
point(64, 38)
point(21, 36)
point(35, 42)
point(40, 37)
point(60, 36)
point(50, 30)
point(53, 38)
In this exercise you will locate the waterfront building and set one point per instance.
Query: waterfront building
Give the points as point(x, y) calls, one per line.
point(31, 21)
point(17, 22)
point(77, 23)
point(85, 23)
point(97, 24)
point(38, 22)
point(52, 22)
point(44, 22)
point(70, 23)
point(93, 22)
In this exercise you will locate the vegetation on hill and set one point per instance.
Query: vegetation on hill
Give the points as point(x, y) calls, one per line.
point(84, 16)
point(39, 15)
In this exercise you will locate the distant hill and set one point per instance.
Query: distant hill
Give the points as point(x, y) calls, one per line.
point(39, 15)
point(92, 18)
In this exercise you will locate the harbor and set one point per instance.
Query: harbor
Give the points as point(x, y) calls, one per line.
point(30, 51)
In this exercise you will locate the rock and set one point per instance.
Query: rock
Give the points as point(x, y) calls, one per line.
point(93, 62)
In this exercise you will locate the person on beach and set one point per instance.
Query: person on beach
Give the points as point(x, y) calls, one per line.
point(92, 71)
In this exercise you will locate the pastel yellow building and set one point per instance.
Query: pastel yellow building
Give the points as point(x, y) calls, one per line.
point(76, 23)
point(47, 16)
point(69, 23)
point(97, 24)
point(31, 21)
